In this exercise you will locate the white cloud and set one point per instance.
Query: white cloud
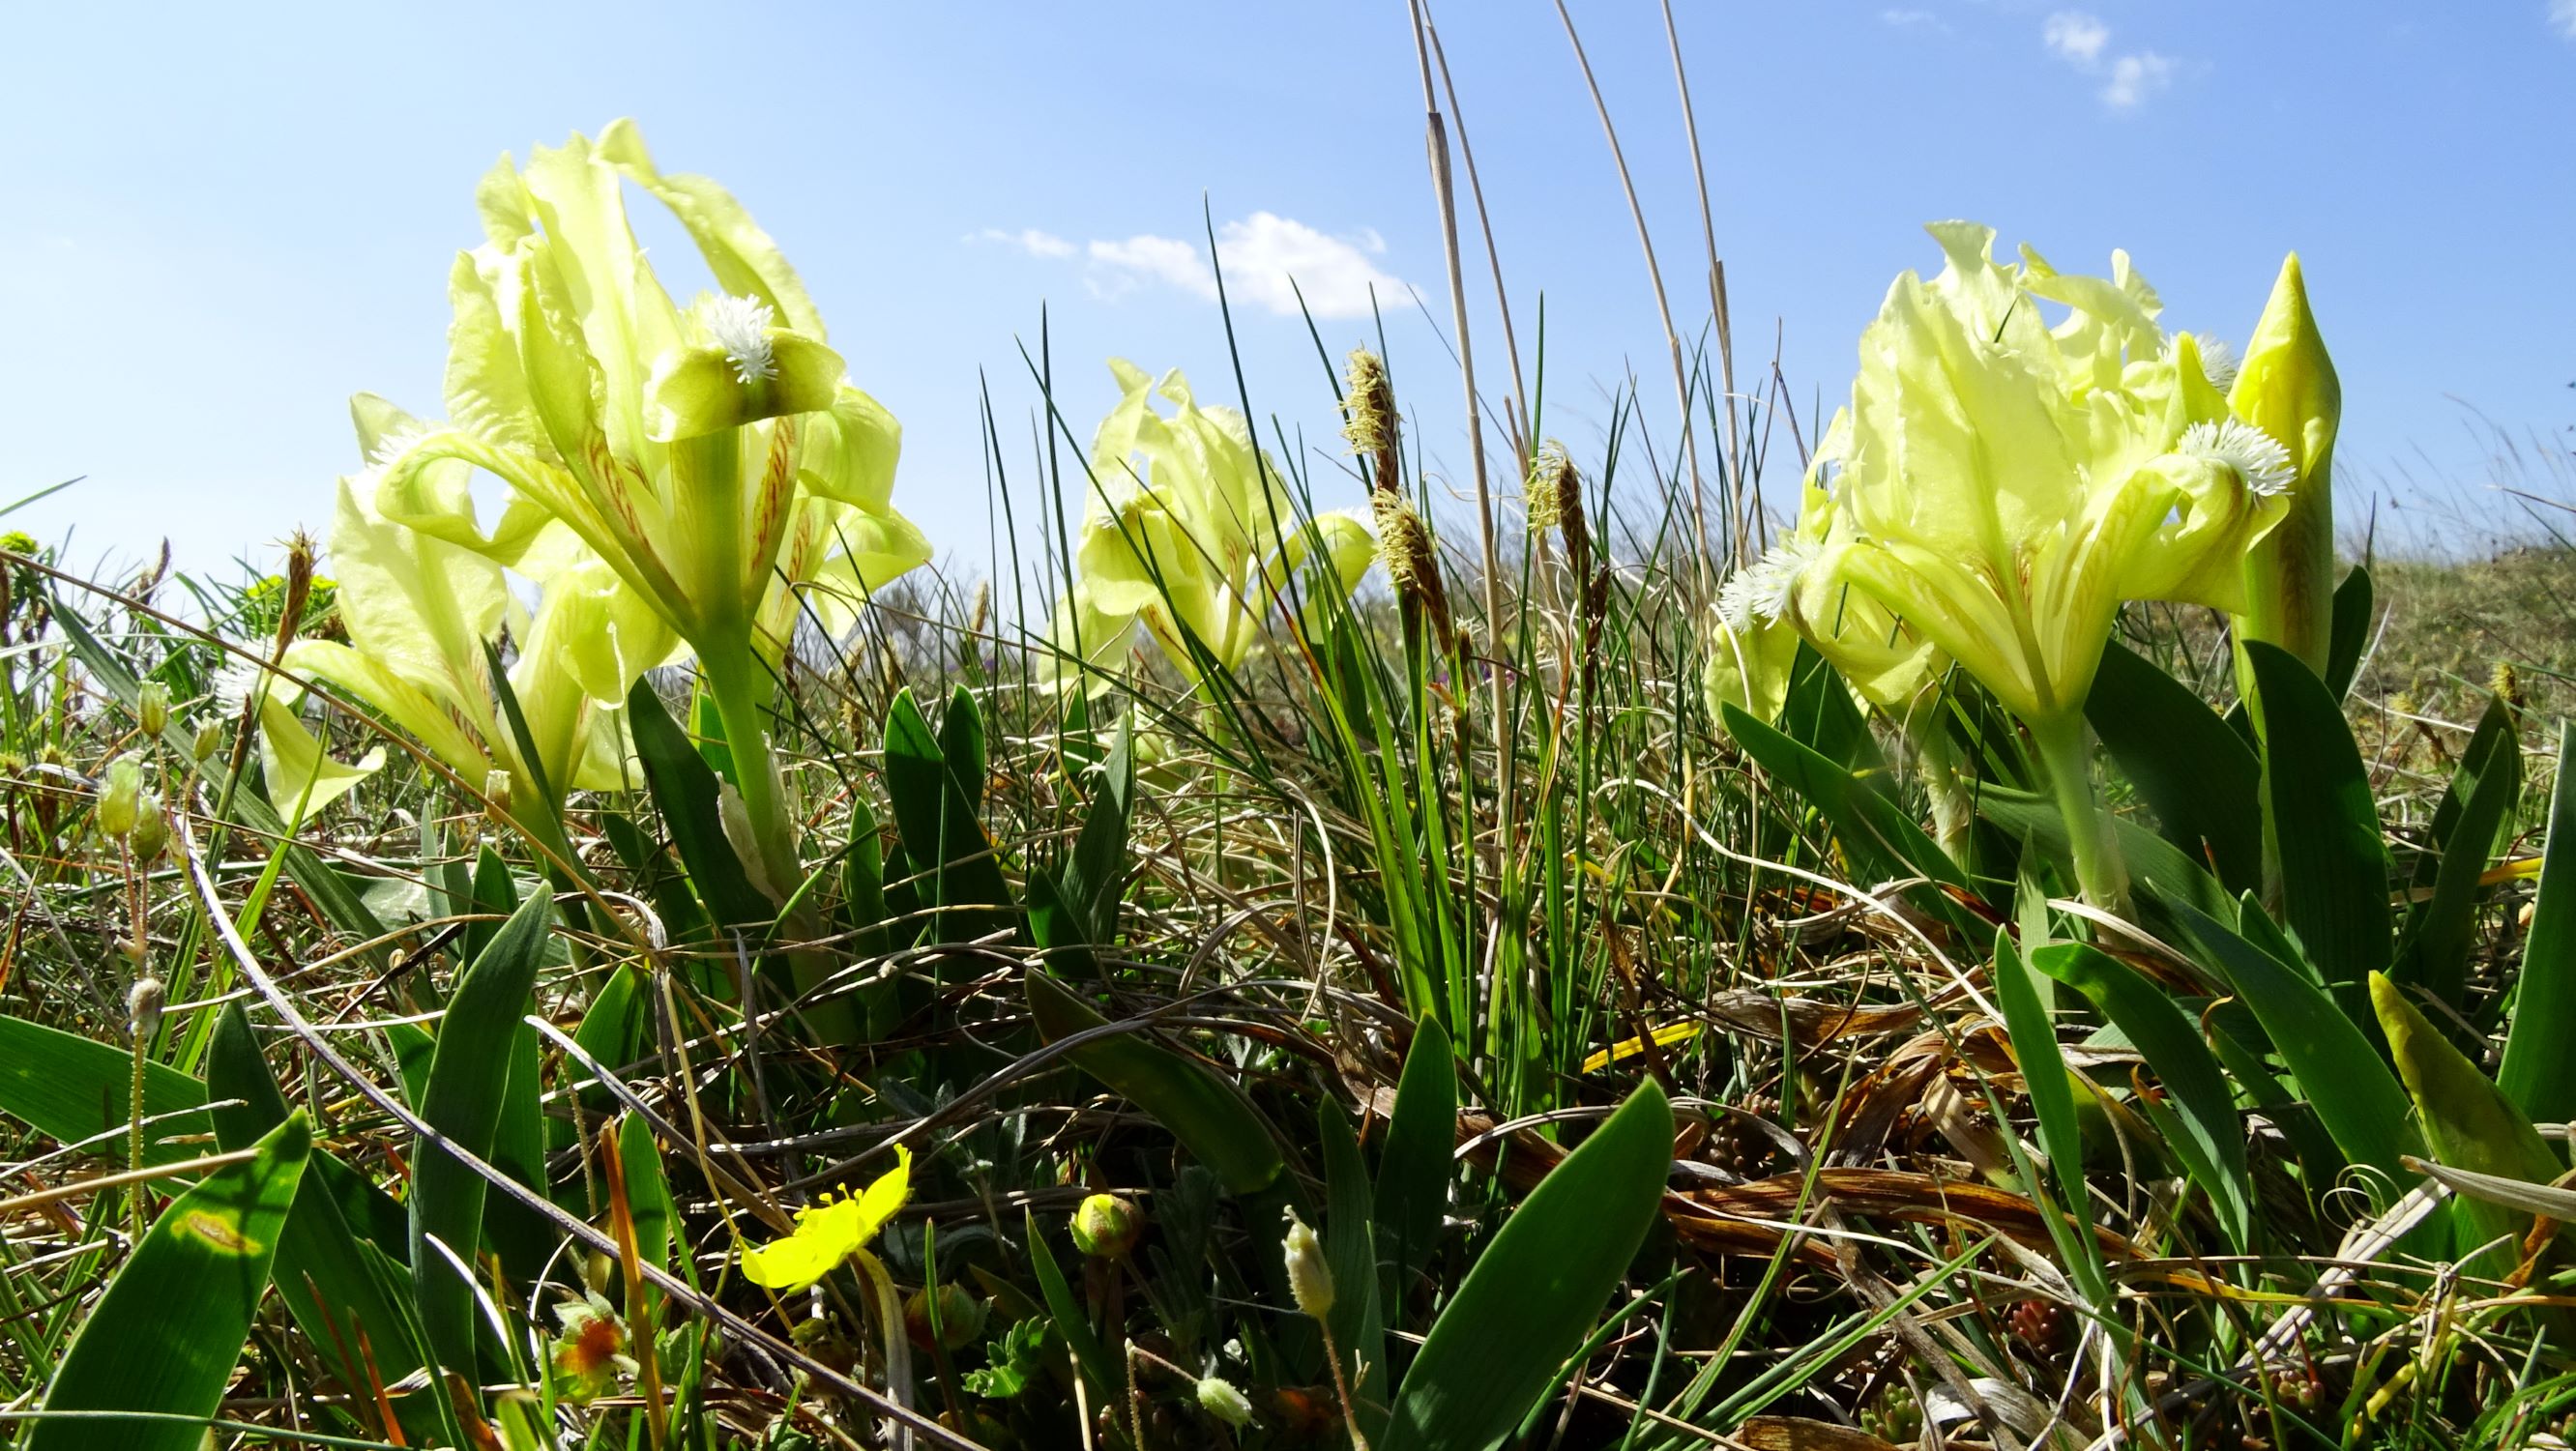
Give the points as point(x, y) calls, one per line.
point(1925, 19)
point(2136, 77)
point(1121, 267)
point(2076, 36)
point(2127, 80)
point(2562, 17)
point(1268, 259)
point(1029, 240)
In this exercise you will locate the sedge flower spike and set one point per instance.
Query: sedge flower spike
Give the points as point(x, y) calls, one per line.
point(829, 1231)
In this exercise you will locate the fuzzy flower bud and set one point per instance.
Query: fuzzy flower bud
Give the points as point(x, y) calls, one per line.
point(119, 798)
point(1220, 1399)
point(961, 1317)
point(1310, 1278)
point(210, 734)
point(1106, 1227)
point(143, 1007)
point(151, 828)
point(152, 708)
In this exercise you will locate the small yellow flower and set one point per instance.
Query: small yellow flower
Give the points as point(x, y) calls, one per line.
point(830, 1231)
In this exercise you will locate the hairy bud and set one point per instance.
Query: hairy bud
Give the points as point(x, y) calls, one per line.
point(1310, 1277)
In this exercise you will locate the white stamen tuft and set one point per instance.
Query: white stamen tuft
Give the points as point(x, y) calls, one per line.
point(2218, 359)
point(1763, 589)
point(740, 326)
point(2256, 456)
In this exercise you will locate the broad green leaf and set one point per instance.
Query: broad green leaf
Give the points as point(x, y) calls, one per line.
point(2044, 1073)
point(1095, 878)
point(1821, 715)
point(69, 1088)
point(1207, 1114)
point(2199, 777)
point(166, 1334)
point(686, 790)
point(2468, 1124)
point(1533, 1295)
point(321, 1270)
point(1350, 1245)
point(1413, 1173)
point(468, 1088)
point(2441, 932)
point(2323, 825)
point(2352, 607)
point(2539, 1070)
point(936, 817)
point(2212, 1142)
point(2359, 1100)
point(648, 1194)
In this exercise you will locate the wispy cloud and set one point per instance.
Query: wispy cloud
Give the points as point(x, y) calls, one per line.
point(2076, 36)
point(1029, 240)
point(2136, 77)
point(2562, 17)
point(1269, 261)
point(1921, 20)
point(2128, 79)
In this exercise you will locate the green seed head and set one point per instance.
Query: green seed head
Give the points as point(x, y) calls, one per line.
point(1220, 1399)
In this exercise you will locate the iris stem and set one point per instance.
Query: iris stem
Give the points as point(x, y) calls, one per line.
point(2064, 753)
point(731, 677)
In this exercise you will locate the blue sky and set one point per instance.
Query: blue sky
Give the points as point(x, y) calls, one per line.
point(218, 225)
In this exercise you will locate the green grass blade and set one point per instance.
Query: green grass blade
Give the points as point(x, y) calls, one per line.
point(165, 1335)
point(686, 790)
point(1533, 1295)
point(2468, 1124)
point(936, 815)
point(2352, 607)
point(1350, 1244)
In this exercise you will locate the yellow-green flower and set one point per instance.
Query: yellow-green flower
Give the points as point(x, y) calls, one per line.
point(2287, 389)
point(716, 459)
point(422, 614)
point(2009, 484)
point(1190, 535)
point(830, 1231)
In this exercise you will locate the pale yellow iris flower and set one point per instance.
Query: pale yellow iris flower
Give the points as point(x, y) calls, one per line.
point(1189, 538)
